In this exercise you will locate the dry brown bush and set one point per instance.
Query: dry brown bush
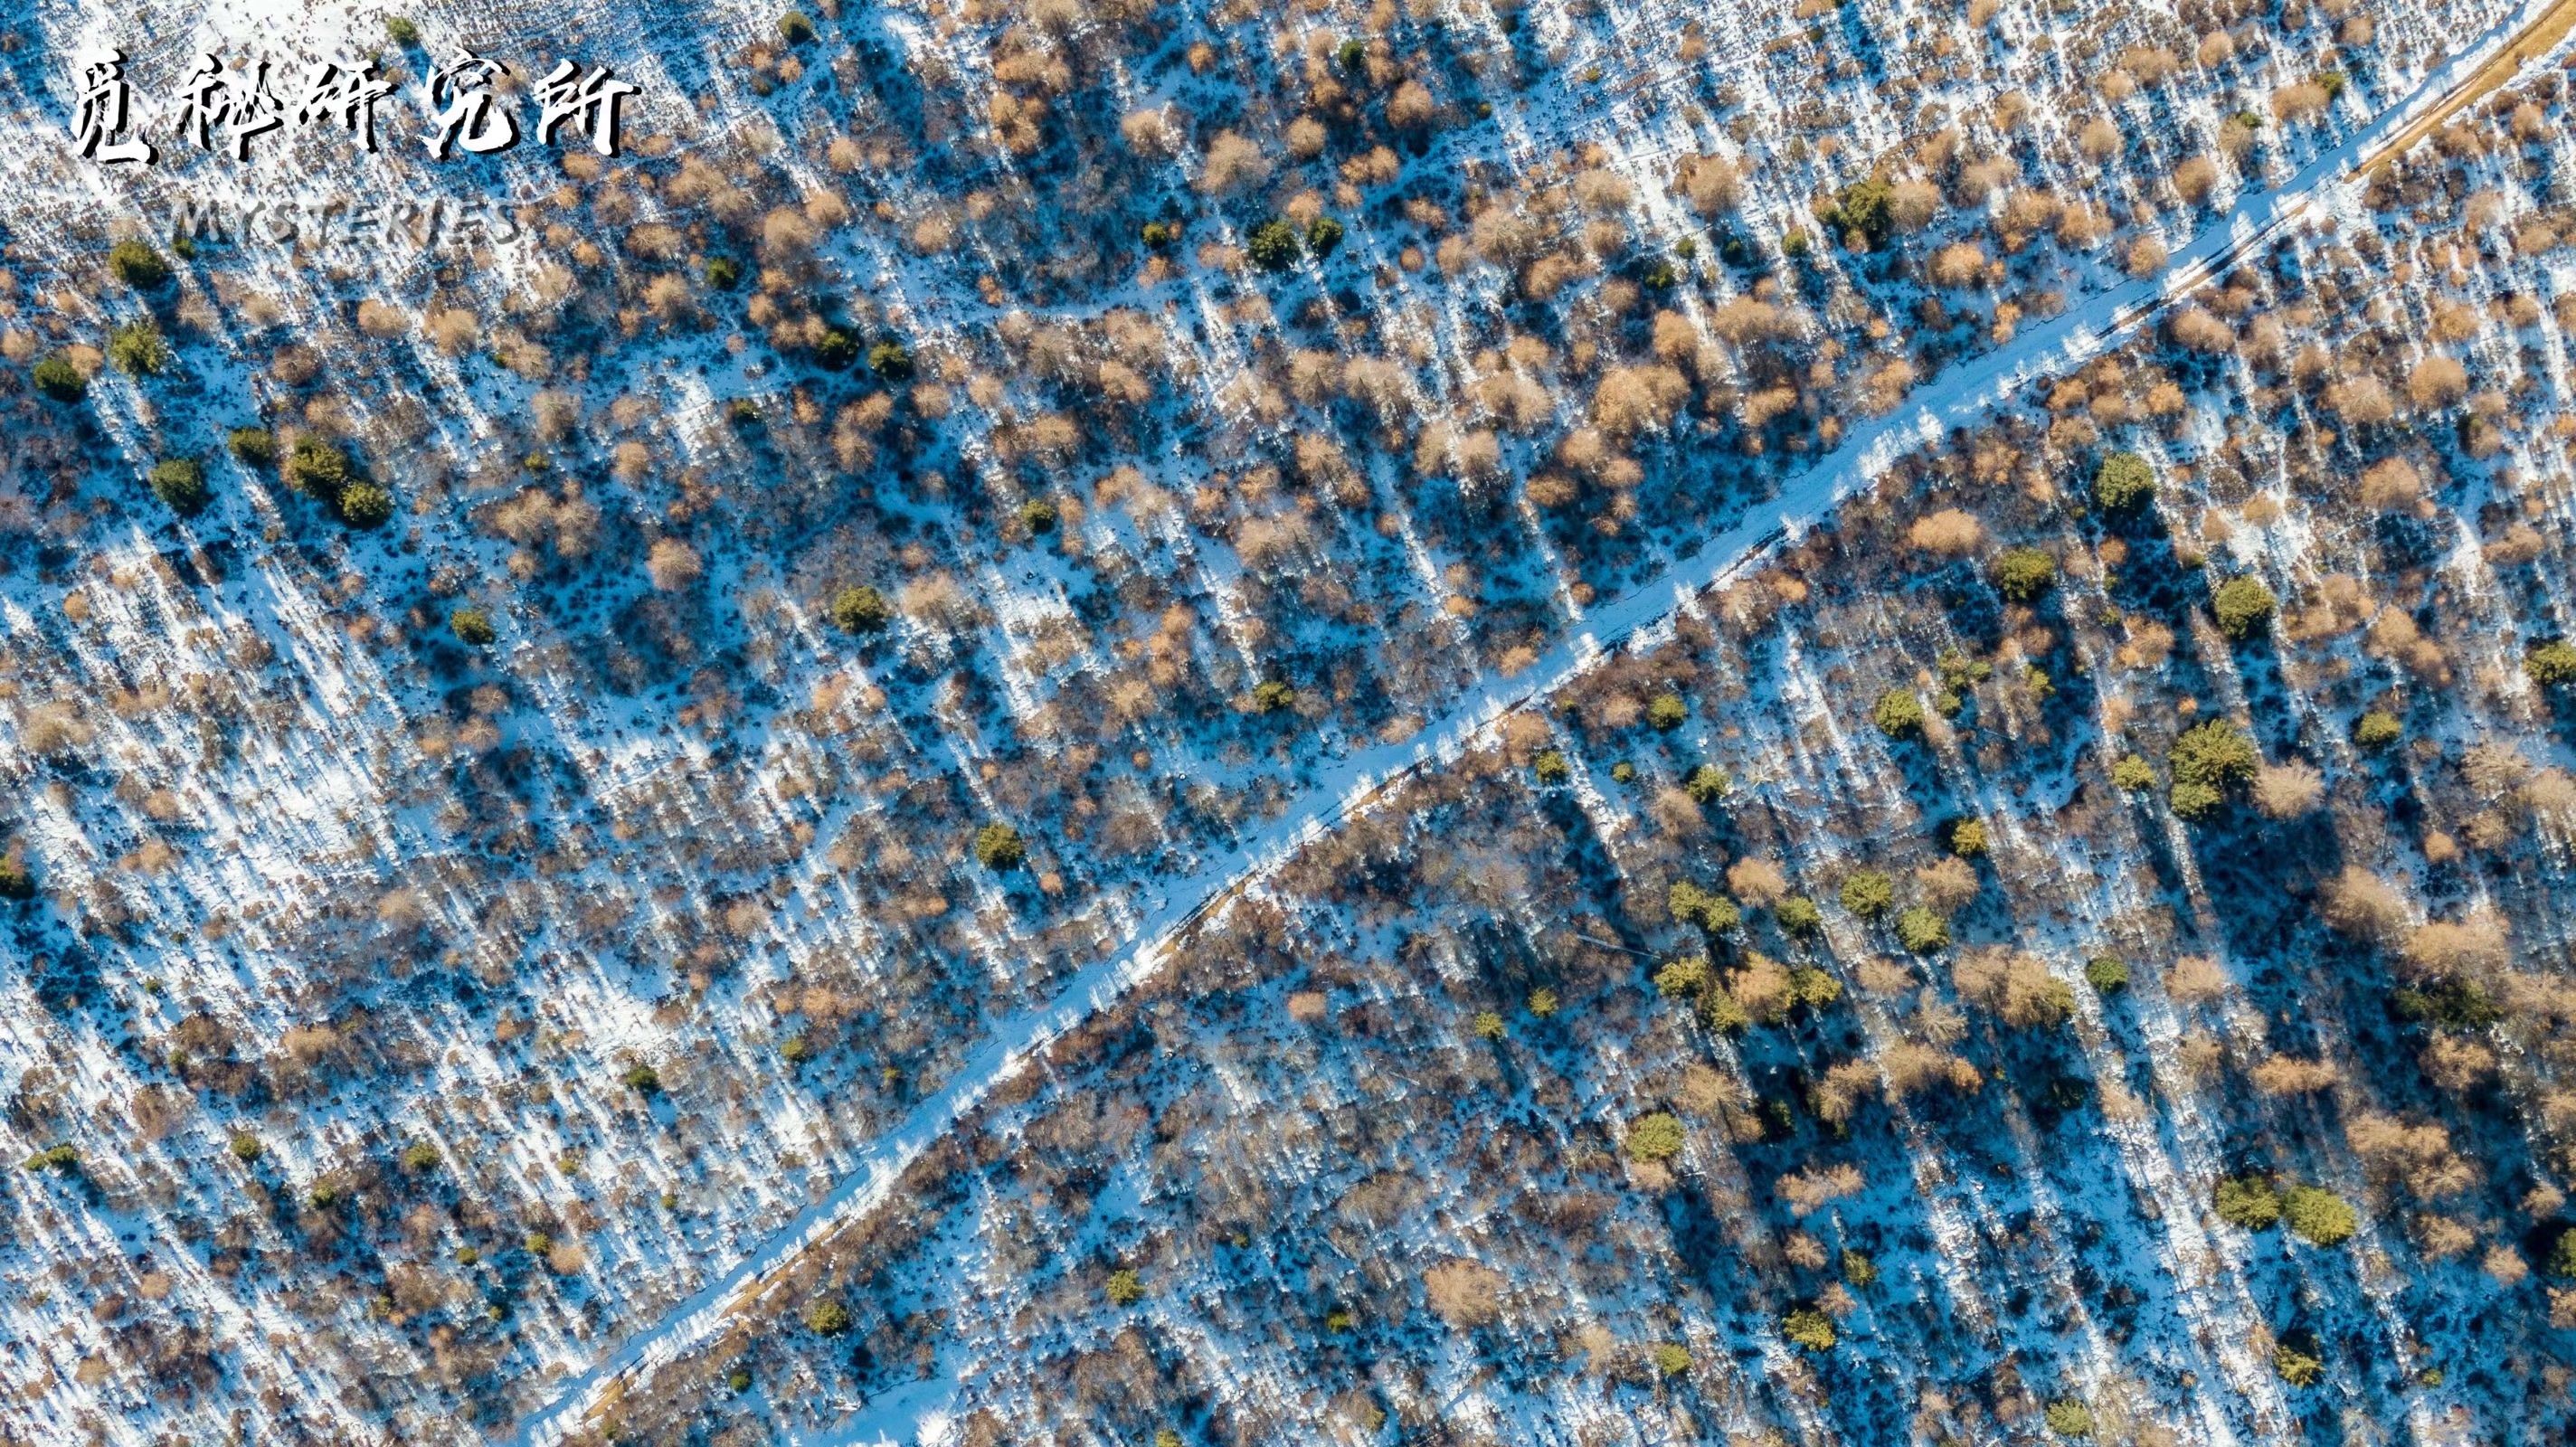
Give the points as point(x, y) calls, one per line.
point(1948, 883)
point(2195, 980)
point(1233, 163)
point(2361, 401)
point(1464, 1293)
point(1411, 107)
point(2014, 984)
point(1811, 1190)
point(2419, 1156)
point(2289, 1075)
point(2364, 906)
point(1951, 532)
point(1756, 881)
point(2195, 329)
point(2437, 381)
point(2287, 790)
point(673, 564)
point(2473, 944)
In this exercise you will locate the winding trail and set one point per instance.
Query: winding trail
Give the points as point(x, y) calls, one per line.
point(1359, 779)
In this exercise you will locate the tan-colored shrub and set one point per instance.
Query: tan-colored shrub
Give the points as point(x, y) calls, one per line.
point(2363, 905)
point(2195, 980)
point(2289, 1075)
point(1951, 532)
point(2391, 485)
point(2287, 790)
point(1464, 1293)
point(1713, 184)
point(2473, 944)
point(673, 564)
point(2437, 381)
point(1811, 1190)
point(1233, 163)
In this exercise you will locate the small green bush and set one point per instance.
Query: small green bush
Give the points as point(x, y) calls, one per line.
point(1708, 909)
point(2377, 729)
point(2133, 774)
point(826, 1316)
point(1722, 1012)
point(2023, 574)
point(643, 1079)
point(1657, 1136)
point(2213, 753)
point(1813, 988)
point(1672, 1358)
point(317, 468)
point(2551, 665)
point(2562, 1255)
point(2244, 607)
point(1683, 975)
point(1968, 838)
point(2107, 974)
point(1273, 246)
point(1272, 695)
point(57, 378)
point(2319, 1216)
point(1798, 915)
point(401, 31)
point(180, 483)
point(1862, 213)
point(1859, 1270)
point(246, 1147)
point(999, 846)
point(891, 360)
point(420, 1156)
point(1038, 515)
point(135, 263)
point(1551, 767)
point(1922, 930)
point(1868, 893)
point(1667, 711)
point(1322, 235)
point(15, 881)
point(723, 273)
point(1809, 1328)
point(1542, 1003)
point(2196, 801)
point(2123, 481)
point(62, 1158)
point(472, 627)
point(1898, 713)
point(1487, 1025)
point(1707, 784)
point(795, 28)
point(2295, 1361)
point(365, 506)
point(2068, 1417)
point(252, 446)
point(138, 349)
point(1123, 1288)
point(859, 608)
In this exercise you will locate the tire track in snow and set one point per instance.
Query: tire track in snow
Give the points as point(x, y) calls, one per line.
point(1360, 778)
